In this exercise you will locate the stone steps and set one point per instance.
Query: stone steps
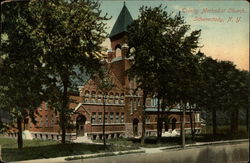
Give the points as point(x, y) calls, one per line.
point(82, 139)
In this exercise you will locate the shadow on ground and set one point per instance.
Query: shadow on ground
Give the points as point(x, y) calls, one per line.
point(49, 151)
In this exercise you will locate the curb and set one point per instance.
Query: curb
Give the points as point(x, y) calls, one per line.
point(97, 155)
point(208, 143)
point(84, 156)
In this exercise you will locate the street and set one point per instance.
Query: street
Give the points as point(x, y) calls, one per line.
point(229, 153)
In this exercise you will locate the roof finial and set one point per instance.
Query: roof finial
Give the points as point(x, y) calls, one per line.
point(124, 3)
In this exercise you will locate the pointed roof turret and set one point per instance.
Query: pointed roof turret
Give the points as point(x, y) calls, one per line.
point(124, 19)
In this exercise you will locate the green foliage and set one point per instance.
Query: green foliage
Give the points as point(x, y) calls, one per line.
point(164, 63)
point(224, 88)
point(163, 53)
point(21, 80)
point(69, 33)
point(48, 45)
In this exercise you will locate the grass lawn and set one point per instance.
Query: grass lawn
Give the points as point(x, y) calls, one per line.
point(206, 136)
point(35, 149)
point(150, 142)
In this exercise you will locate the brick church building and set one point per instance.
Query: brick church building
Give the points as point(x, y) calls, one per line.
point(123, 106)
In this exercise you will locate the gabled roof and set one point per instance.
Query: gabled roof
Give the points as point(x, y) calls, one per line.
point(91, 85)
point(124, 19)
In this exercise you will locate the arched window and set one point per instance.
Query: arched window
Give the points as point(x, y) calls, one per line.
point(52, 120)
point(117, 98)
point(86, 97)
point(105, 97)
point(135, 104)
point(122, 99)
point(118, 51)
point(111, 98)
point(131, 106)
point(138, 102)
point(99, 97)
point(148, 102)
point(93, 96)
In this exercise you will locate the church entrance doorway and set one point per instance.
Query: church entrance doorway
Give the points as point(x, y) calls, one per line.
point(173, 123)
point(80, 122)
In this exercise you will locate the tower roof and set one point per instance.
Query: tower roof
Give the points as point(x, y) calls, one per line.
point(124, 19)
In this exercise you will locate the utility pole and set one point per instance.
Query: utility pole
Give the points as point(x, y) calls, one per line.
point(183, 124)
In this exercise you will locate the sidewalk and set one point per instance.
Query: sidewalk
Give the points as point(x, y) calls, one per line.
point(142, 149)
point(159, 149)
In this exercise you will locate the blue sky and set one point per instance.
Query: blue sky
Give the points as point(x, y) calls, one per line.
point(225, 40)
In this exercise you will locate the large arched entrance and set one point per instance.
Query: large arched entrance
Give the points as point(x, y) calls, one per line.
point(135, 127)
point(80, 121)
point(173, 123)
point(166, 124)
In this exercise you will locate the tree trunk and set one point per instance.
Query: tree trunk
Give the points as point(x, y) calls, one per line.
point(191, 122)
point(214, 122)
point(194, 124)
point(63, 127)
point(181, 117)
point(163, 107)
point(183, 125)
point(143, 117)
point(103, 124)
point(63, 111)
point(158, 120)
point(19, 134)
point(234, 122)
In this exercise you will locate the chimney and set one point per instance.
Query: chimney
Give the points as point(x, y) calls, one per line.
point(111, 55)
point(125, 49)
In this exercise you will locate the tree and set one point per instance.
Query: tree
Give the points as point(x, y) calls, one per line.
point(141, 69)
point(163, 56)
point(223, 89)
point(70, 34)
point(233, 92)
point(21, 79)
point(210, 87)
point(105, 84)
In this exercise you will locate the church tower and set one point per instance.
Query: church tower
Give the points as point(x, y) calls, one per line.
point(117, 55)
point(118, 34)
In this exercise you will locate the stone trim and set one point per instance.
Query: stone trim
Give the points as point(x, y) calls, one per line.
point(107, 124)
point(106, 132)
point(100, 104)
